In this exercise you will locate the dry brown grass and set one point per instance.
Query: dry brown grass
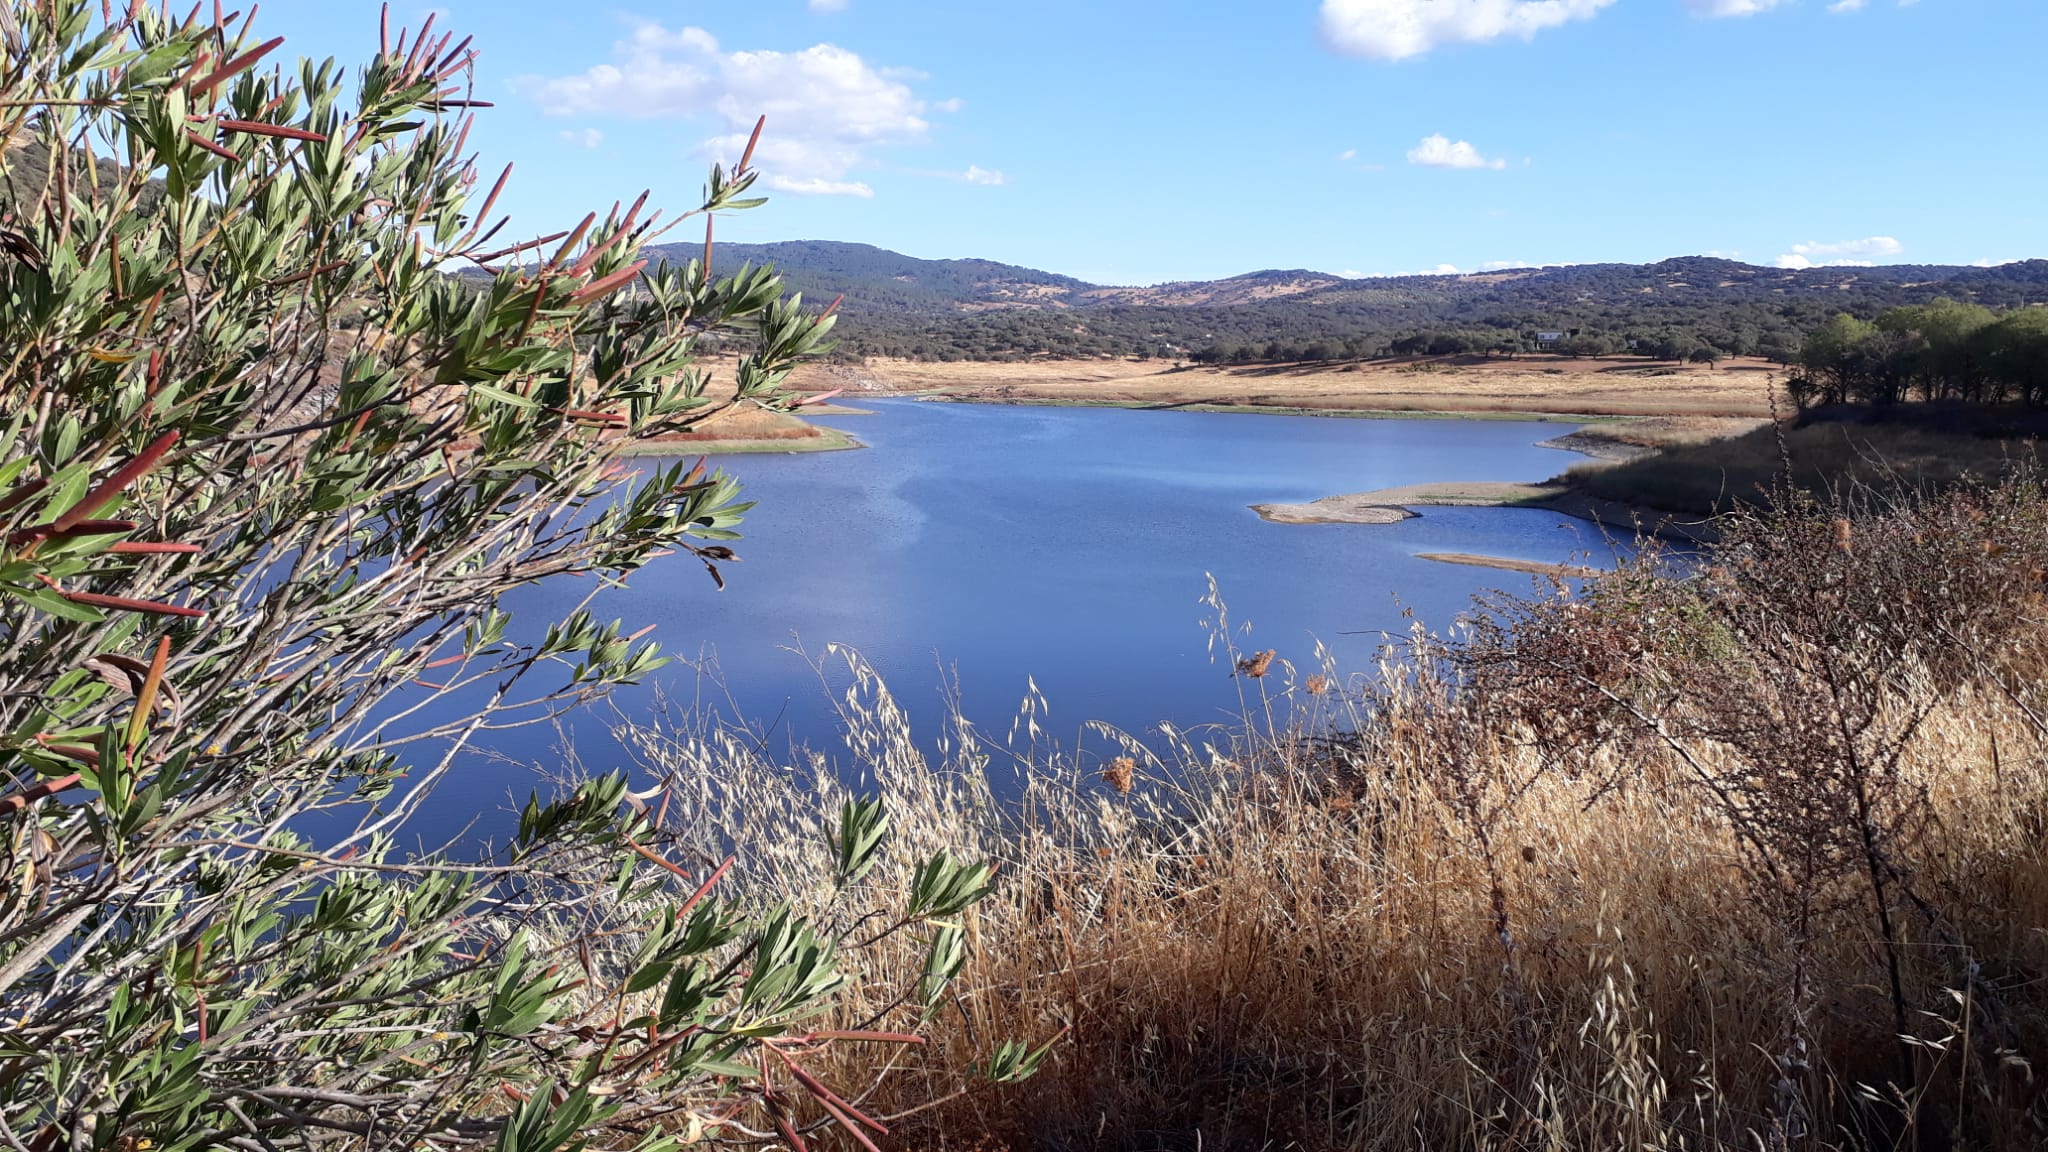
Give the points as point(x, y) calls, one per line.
point(1711, 475)
point(1468, 385)
point(1669, 431)
point(1490, 908)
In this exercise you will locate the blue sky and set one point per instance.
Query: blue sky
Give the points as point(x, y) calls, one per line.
point(1138, 141)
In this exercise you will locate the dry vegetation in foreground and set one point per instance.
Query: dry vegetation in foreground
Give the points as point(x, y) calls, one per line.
point(1750, 857)
point(1709, 475)
point(1473, 385)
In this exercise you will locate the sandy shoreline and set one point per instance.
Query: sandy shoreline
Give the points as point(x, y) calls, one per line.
point(1461, 386)
point(749, 429)
point(1496, 415)
point(1598, 447)
point(1393, 505)
point(1506, 564)
point(828, 440)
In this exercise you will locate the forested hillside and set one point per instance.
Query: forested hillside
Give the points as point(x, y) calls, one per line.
point(974, 309)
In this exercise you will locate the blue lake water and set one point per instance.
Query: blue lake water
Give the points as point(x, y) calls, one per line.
point(1069, 546)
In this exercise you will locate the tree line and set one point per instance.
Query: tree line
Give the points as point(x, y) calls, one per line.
point(1678, 345)
point(1944, 350)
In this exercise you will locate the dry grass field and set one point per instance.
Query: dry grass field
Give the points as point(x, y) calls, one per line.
point(1462, 385)
point(1626, 439)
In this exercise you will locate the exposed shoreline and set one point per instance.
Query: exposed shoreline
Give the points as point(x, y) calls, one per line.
point(1507, 564)
point(826, 440)
point(1393, 505)
point(1598, 447)
point(1499, 415)
point(1536, 386)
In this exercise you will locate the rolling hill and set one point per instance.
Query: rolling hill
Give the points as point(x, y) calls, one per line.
point(899, 305)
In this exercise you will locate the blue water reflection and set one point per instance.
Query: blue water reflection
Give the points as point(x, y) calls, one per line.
point(1068, 546)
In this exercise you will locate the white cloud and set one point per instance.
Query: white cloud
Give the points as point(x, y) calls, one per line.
point(1439, 151)
point(1348, 154)
point(583, 137)
point(976, 174)
point(1994, 263)
point(1439, 270)
point(1718, 8)
point(816, 187)
point(1500, 265)
point(1840, 6)
point(1399, 29)
point(826, 107)
point(1841, 253)
point(953, 105)
point(828, 5)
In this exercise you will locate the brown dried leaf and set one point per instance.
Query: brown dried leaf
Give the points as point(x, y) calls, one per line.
point(22, 248)
point(125, 674)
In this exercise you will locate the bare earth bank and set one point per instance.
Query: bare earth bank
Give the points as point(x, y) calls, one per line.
point(1463, 385)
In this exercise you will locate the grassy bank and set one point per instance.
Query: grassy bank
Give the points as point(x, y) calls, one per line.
point(1709, 474)
point(1668, 862)
point(1612, 439)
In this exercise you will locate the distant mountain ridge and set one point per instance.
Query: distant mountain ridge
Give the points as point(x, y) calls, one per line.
point(877, 279)
point(898, 305)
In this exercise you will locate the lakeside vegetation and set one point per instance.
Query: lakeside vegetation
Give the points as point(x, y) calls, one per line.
point(1722, 853)
point(1736, 855)
point(265, 475)
point(1713, 476)
point(1923, 398)
point(1941, 352)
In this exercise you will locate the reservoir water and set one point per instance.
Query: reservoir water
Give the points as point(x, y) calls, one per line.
point(1068, 547)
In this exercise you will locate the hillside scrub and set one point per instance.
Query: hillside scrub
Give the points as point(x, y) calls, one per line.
point(1684, 310)
point(1735, 854)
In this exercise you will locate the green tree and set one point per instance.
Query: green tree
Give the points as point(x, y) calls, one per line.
point(1589, 344)
point(1834, 359)
point(1779, 346)
point(265, 470)
point(2013, 353)
point(1938, 337)
point(1664, 346)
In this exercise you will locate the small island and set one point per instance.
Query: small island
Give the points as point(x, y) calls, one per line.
point(1393, 505)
